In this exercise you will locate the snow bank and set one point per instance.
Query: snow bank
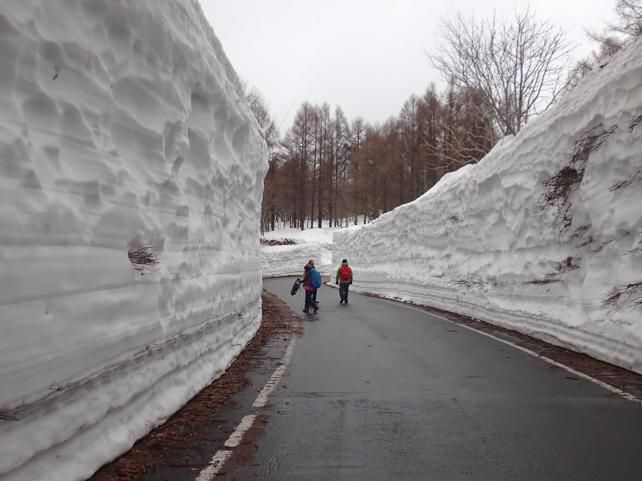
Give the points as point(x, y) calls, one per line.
point(289, 260)
point(536, 236)
point(122, 128)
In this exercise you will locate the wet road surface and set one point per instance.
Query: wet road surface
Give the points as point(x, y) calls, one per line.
point(380, 391)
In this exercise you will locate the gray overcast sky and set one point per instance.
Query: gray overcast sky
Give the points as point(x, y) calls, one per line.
point(368, 56)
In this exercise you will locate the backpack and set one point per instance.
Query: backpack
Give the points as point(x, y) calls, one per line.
point(345, 273)
point(315, 278)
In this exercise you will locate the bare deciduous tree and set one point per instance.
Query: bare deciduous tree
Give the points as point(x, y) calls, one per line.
point(270, 134)
point(518, 65)
point(259, 108)
point(629, 14)
point(466, 132)
point(627, 28)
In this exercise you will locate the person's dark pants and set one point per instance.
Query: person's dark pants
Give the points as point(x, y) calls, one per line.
point(309, 300)
point(343, 291)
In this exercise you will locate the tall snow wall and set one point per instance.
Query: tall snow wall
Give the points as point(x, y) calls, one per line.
point(131, 176)
point(289, 260)
point(544, 235)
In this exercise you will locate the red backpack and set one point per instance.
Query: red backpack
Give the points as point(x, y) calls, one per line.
point(345, 273)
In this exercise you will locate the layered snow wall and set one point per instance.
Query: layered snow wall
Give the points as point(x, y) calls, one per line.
point(123, 134)
point(289, 260)
point(285, 260)
point(544, 235)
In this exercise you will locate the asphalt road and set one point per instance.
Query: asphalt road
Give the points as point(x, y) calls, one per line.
point(380, 391)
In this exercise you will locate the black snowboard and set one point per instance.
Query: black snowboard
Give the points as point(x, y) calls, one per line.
point(295, 287)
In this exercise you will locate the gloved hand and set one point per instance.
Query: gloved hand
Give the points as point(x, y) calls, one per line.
point(350, 282)
point(336, 282)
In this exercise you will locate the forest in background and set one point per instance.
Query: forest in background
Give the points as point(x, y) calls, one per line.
point(326, 169)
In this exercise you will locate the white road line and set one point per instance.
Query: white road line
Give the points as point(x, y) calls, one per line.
point(262, 398)
point(602, 384)
point(237, 436)
point(216, 464)
point(218, 460)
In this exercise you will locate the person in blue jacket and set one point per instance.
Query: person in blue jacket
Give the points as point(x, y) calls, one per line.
point(311, 282)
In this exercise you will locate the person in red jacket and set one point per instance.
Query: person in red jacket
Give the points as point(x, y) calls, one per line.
point(344, 279)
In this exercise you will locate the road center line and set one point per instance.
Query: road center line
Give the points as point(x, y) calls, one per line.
point(221, 456)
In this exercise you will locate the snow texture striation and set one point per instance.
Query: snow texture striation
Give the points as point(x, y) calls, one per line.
point(289, 259)
point(131, 174)
point(544, 235)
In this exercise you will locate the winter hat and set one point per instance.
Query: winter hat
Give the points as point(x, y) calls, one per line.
point(344, 261)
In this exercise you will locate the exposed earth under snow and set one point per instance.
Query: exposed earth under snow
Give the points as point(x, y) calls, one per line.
point(131, 174)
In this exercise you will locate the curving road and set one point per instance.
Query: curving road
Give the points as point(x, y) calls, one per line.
point(381, 391)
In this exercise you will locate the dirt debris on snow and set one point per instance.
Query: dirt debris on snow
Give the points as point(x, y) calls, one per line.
point(278, 242)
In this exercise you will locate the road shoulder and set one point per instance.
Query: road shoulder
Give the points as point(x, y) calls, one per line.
point(620, 381)
point(184, 445)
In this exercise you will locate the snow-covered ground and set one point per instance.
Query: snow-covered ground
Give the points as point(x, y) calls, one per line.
point(289, 260)
point(123, 127)
point(494, 242)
